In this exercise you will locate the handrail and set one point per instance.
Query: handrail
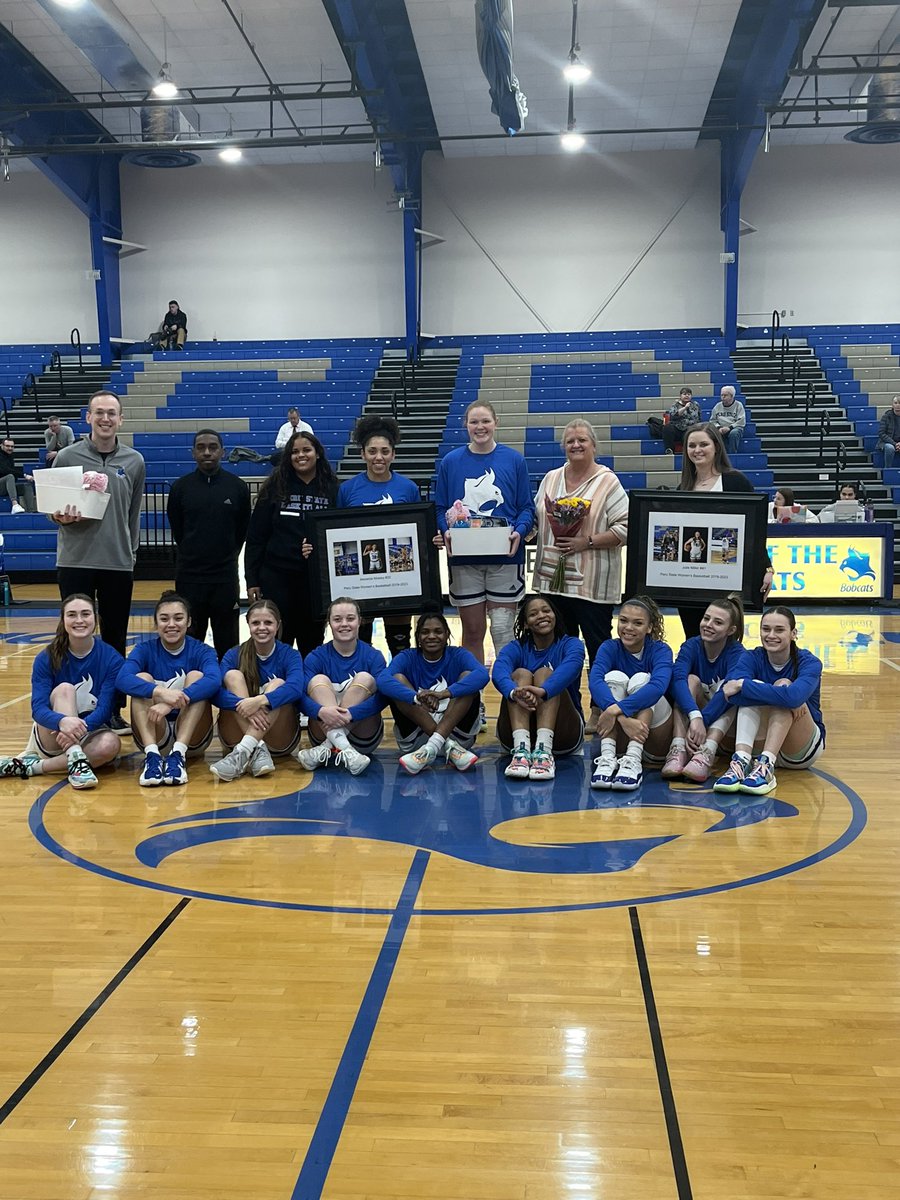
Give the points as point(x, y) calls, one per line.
point(5, 414)
point(75, 339)
point(776, 325)
point(31, 382)
point(840, 461)
point(824, 430)
point(795, 372)
point(56, 361)
point(810, 398)
point(785, 346)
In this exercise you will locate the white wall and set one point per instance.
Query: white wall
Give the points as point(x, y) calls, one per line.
point(263, 251)
point(46, 252)
point(561, 234)
point(828, 244)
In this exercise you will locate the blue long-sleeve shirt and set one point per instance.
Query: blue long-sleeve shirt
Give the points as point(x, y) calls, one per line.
point(565, 657)
point(655, 659)
point(760, 677)
point(170, 670)
point(490, 485)
point(283, 663)
point(457, 672)
point(691, 659)
point(341, 669)
point(93, 677)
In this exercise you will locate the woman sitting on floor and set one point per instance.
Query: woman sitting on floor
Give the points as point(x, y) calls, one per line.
point(539, 677)
point(73, 684)
point(171, 679)
point(262, 684)
point(776, 689)
point(701, 667)
point(628, 681)
point(342, 700)
point(435, 696)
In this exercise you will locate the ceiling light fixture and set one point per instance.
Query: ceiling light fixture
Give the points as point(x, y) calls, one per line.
point(572, 140)
point(231, 154)
point(69, 3)
point(575, 71)
point(165, 87)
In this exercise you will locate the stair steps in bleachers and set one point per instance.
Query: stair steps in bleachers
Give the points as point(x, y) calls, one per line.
point(28, 420)
point(791, 444)
point(421, 413)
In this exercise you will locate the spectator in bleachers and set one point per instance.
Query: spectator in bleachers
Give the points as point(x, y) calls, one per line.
point(56, 437)
point(14, 479)
point(730, 418)
point(679, 417)
point(97, 557)
point(278, 543)
point(209, 511)
point(889, 432)
point(292, 425)
point(173, 328)
point(593, 557)
point(784, 498)
point(847, 491)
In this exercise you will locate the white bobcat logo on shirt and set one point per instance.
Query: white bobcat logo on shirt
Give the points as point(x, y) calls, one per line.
point(482, 496)
point(177, 681)
point(385, 499)
point(440, 685)
point(85, 700)
point(340, 688)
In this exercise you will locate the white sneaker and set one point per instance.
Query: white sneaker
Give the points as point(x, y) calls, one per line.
point(315, 756)
point(605, 768)
point(233, 765)
point(80, 772)
point(543, 765)
point(629, 775)
point(352, 760)
point(17, 508)
point(261, 761)
point(519, 765)
point(457, 756)
point(418, 760)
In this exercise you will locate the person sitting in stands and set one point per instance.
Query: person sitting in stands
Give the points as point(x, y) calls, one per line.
point(889, 433)
point(684, 413)
point(292, 425)
point(848, 491)
point(730, 418)
point(14, 480)
point(784, 499)
point(173, 328)
point(56, 437)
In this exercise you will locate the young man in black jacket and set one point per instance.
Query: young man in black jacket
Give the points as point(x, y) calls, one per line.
point(889, 432)
point(209, 511)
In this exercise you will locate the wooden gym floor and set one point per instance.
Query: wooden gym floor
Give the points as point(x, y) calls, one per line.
point(453, 986)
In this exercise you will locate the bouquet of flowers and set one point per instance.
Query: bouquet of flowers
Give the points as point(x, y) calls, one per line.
point(566, 516)
point(94, 481)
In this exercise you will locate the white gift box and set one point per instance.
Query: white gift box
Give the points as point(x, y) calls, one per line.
point(474, 543)
point(61, 486)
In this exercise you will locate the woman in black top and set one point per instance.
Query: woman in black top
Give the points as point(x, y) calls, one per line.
point(278, 542)
point(706, 467)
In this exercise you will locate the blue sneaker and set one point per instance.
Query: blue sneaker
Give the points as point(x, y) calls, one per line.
point(761, 779)
point(733, 779)
point(152, 774)
point(174, 771)
point(605, 768)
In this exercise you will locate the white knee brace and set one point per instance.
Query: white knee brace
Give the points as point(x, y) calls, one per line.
point(501, 622)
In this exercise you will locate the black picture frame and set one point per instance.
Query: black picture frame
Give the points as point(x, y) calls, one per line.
point(381, 527)
point(731, 557)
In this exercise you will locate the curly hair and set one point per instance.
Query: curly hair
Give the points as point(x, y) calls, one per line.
point(657, 625)
point(522, 633)
point(376, 425)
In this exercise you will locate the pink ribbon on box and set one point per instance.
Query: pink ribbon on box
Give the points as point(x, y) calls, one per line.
point(94, 481)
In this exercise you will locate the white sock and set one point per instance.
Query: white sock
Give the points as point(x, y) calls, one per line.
point(521, 740)
point(338, 739)
point(37, 767)
point(608, 747)
point(437, 740)
point(636, 750)
point(678, 744)
point(180, 748)
point(151, 748)
point(710, 747)
point(544, 740)
point(74, 752)
point(248, 743)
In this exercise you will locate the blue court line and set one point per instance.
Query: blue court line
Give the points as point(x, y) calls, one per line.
point(331, 1122)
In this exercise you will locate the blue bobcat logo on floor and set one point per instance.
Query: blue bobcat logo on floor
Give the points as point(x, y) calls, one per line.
point(456, 815)
point(857, 566)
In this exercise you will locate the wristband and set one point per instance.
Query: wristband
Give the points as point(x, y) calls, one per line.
point(696, 715)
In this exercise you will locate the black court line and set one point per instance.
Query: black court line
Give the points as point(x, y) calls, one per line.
point(95, 1005)
point(676, 1146)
